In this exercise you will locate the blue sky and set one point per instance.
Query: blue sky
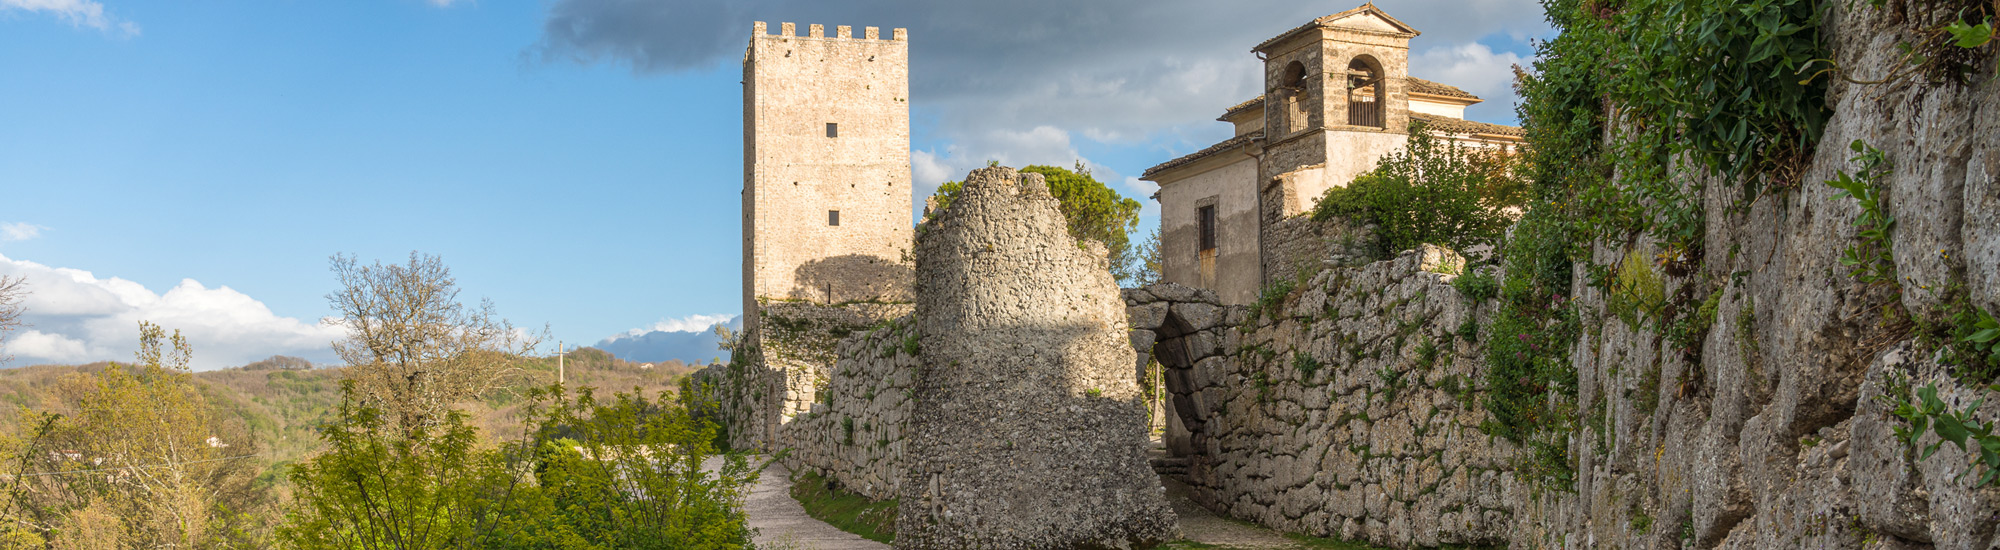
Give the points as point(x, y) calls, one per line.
point(576, 161)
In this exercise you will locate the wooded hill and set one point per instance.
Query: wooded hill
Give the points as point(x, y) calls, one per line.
point(281, 401)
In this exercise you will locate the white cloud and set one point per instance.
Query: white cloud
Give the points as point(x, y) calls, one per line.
point(52, 347)
point(691, 323)
point(1475, 68)
point(74, 316)
point(448, 3)
point(82, 13)
point(19, 231)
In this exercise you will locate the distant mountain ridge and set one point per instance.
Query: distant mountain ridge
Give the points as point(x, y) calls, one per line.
point(691, 347)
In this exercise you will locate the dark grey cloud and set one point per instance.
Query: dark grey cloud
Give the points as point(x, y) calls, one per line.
point(995, 73)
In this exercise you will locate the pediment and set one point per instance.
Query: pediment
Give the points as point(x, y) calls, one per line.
point(1368, 18)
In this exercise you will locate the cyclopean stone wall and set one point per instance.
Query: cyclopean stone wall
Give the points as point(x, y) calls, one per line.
point(1344, 406)
point(1029, 428)
point(853, 432)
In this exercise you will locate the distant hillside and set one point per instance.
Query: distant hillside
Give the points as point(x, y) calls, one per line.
point(283, 400)
point(686, 346)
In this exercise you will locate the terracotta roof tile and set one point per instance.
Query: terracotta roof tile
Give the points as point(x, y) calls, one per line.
point(1184, 160)
point(1459, 126)
point(1253, 103)
point(1421, 86)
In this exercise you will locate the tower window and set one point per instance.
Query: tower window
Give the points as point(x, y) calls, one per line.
point(833, 217)
point(832, 129)
point(1206, 214)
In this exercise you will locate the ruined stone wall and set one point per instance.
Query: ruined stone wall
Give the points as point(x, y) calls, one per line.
point(853, 431)
point(784, 362)
point(1028, 428)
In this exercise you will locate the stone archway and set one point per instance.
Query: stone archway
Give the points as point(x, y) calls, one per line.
point(1182, 327)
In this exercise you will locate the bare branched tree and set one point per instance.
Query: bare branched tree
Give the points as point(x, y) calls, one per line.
point(414, 349)
point(12, 289)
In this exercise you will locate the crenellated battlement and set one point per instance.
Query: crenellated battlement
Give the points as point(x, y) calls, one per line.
point(843, 32)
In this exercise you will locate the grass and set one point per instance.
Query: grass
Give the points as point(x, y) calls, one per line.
point(824, 500)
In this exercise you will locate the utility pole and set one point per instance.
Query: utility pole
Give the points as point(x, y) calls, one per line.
point(559, 362)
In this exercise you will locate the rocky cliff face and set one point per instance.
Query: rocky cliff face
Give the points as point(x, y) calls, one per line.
point(1771, 432)
point(1028, 428)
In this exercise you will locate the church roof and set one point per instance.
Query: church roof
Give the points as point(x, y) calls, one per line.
point(1212, 150)
point(1421, 86)
point(1462, 126)
point(1253, 103)
point(1367, 9)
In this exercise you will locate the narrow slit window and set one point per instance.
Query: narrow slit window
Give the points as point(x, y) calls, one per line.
point(833, 129)
point(1206, 214)
point(833, 217)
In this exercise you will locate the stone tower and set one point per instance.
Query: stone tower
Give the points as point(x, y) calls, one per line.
point(826, 167)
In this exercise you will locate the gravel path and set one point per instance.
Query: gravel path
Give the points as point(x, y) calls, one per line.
point(780, 522)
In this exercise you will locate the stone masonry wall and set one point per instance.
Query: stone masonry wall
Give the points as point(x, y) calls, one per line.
point(1347, 408)
point(784, 363)
point(1028, 428)
point(854, 430)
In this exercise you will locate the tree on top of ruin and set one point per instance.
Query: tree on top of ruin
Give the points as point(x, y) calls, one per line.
point(1094, 212)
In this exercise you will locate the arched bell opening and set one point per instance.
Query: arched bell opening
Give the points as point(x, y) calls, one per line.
point(1292, 88)
point(1366, 102)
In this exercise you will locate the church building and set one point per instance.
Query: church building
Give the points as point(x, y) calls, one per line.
point(1338, 96)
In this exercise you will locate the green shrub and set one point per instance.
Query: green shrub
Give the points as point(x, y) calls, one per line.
point(1433, 191)
point(1477, 285)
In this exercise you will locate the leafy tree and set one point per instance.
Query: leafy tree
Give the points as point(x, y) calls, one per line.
point(1093, 210)
point(414, 348)
point(1434, 191)
point(381, 485)
point(590, 475)
point(136, 457)
point(626, 473)
point(1152, 261)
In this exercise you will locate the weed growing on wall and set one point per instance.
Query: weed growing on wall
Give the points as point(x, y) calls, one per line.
point(1870, 259)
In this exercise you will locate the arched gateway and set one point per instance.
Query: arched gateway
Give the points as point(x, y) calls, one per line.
point(1183, 328)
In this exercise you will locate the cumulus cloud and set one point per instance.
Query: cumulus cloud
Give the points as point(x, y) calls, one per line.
point(691, 323)
point(81, 13)
point(74, 316)
point(1475, 68)
point(19, 231)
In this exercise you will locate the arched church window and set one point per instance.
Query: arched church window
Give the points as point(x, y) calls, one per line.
point(1365, 98)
